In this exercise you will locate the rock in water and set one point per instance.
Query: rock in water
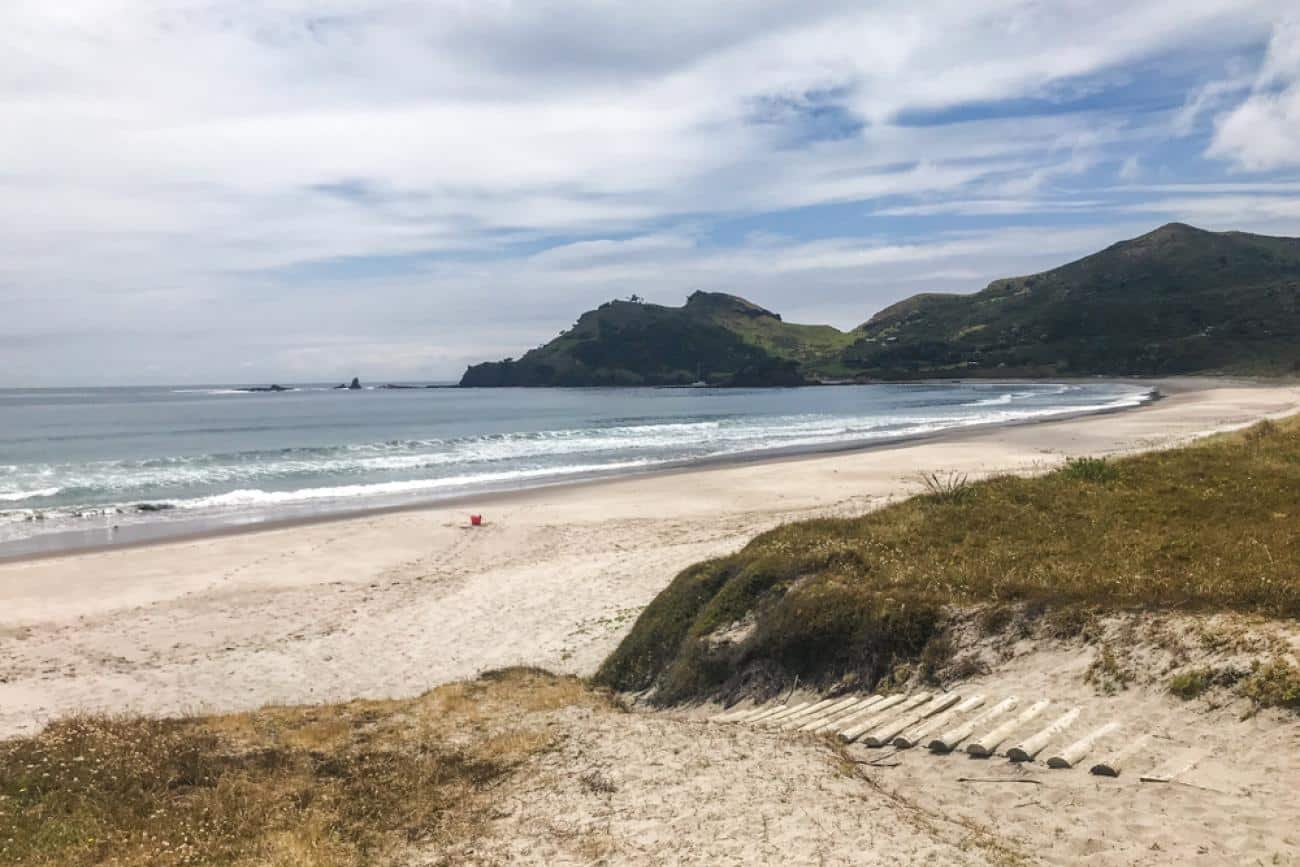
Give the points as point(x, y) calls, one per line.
point(355, 385)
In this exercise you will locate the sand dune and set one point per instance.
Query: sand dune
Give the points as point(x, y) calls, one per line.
point(674, 787)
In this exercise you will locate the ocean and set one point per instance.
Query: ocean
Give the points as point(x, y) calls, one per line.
point(82, 467)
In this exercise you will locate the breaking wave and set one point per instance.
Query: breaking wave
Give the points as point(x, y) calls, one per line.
point(35, 497)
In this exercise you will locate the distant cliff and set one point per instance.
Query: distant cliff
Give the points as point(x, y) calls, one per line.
point(1176, 300)
point(714, 338)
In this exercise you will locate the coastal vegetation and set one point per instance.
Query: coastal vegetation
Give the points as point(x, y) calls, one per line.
point(856, 601)
point(340, 784)
point(1177, 300)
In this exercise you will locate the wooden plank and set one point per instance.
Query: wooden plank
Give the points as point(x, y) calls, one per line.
point(874, 702)
point(781, 719)
point(852, 732)
point(738, 715)
point(760, 710)
point(885, 732)
point(864, 713)
point(829, 722)
point(794, 714)
point(1026, 750)
point(950, 740)
point(734, 715)
point(771, 711)
point(779, 712)
point(859, 704)
point(1175, 767)
point(830, 710)
point(936, 723)
point(1070, 755)
point(795, 720)
point(1111, 765)
point(988, 743)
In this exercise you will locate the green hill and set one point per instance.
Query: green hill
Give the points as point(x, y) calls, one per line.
point(717, 338)
point(1177, 300)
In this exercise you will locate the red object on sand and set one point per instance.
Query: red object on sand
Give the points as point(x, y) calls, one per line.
point(476, 520)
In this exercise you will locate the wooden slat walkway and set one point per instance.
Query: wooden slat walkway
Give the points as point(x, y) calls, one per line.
point(981, 725)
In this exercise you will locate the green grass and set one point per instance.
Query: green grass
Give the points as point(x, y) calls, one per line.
point(1191, 684)
point(1089, 470)
point(1274, 684)
point(1207, 527)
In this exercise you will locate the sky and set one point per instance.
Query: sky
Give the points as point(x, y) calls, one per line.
point(251, 191)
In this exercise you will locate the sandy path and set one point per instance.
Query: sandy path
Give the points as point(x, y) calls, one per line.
point(656, 787)
point(642, 789)
point(389, 605)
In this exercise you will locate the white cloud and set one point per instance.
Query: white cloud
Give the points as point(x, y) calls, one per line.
point(1209, 97)
point(1263, 132)
point(193, 177)
point(1261, 213)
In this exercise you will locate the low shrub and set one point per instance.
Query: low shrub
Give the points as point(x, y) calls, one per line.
point(1089, 470)
point(1190, 684)
point(1275, 683)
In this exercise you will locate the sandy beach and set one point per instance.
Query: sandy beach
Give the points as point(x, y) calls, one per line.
point(392, 604)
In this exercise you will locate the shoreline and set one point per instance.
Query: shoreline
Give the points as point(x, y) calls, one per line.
point(389, 605)
point(42, 546)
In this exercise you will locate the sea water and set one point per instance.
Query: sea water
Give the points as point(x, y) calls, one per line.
point(94, 466)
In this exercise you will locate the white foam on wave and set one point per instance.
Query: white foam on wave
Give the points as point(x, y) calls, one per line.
point(166, 477)
point(223, 483)
point(1011, 396)
point(1000, 400)
point(132, 477)
point(343, 492)
point(16, 496)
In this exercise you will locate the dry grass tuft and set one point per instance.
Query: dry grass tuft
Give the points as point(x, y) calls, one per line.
point(343, 785)
point(1108, 673)
point(1275, 683)
point(1191, 684)
point(1089, 470)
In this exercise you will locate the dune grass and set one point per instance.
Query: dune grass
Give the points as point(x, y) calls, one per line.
point(344, 784)
point(1212, 526)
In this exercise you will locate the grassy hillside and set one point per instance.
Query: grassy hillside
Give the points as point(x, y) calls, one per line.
point(1177, 300)
point(814, 346)
point(1212, 526)
point(718, 338)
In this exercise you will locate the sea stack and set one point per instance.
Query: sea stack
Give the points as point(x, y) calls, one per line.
point(355, 385)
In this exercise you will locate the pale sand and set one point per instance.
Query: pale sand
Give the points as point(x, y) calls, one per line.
point(670, 787)
point(392, 604)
